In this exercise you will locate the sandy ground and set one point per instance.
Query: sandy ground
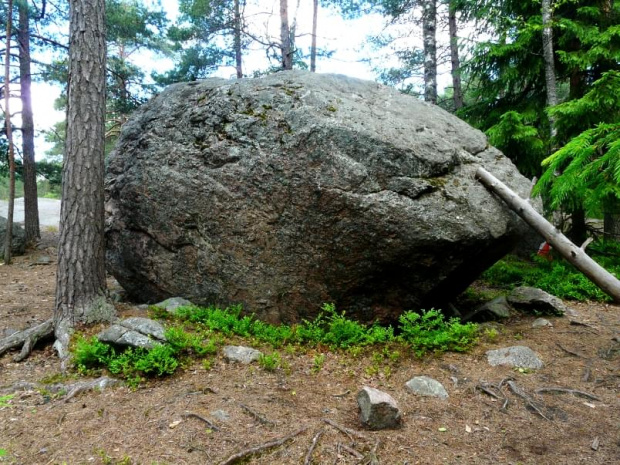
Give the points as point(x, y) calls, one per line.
point(161, 422)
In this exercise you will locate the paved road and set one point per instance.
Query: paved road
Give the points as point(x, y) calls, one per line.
point(49, 211)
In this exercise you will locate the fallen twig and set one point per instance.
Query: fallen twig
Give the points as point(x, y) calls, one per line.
point(371, 458)
point(209, 423)
point(347, 431)
point(262, 420)
point(568, 391)
point(82, 386)
point(352, 451)
point(484, 387)
point(344, 394)
point(526, 397)
point(568, 351)
point(261, 447)
point(315, 441)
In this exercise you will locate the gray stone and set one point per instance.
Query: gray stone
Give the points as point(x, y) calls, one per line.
point(294, 189)
point(221, 415)
point(18, 241)
point(145, 326)
point(515, 356)
point(134, 332)
point(241, 354)
point(541, 322)
point(173, 303)
point(425, 386)
point(378, 410)
point(496, 309)
point(43, 260)
point(533, 300)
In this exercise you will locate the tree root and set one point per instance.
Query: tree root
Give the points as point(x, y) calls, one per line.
point(209, 424)
point(244, 454)
point(27, 339)
point(261, 419)
point(71, 390)
point(574, 392)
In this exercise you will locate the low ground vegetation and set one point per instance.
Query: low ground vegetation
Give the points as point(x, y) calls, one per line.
point(197, 332)
point(555, 275)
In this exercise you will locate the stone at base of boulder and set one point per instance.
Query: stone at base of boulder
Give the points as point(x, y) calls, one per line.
point(531, 299)
point(171, 304)
point(515, 356)
point(378, 410)
point(134, 332)
point(425, 386)
point(241, 354)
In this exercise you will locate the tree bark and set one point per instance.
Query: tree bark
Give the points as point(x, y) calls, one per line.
point(575, 255)
point(285, 37)
point(237, 40)
point(8, 241)
point(548, 55)
point(429, 33)
point(611, 220)
point(31, 207)
point(80, 283)
point(457, 89)
point(315, 14)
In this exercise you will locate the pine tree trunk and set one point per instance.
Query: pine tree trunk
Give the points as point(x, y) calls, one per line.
point(611, 221)
point(238, 56)
point(31, 207)
point(550, 77)
point(315, 14)
point(8, 240)
point(285, 37)
point(80, 283)
point(429, 31)
point(454, 57)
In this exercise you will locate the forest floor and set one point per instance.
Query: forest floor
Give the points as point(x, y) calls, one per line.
point(162, 421)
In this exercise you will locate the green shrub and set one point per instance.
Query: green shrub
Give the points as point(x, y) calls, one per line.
point(428, 331)
point(556, 277)
point(270, 362)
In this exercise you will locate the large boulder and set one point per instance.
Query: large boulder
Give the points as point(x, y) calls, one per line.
point(18, 240)
point(288, 191)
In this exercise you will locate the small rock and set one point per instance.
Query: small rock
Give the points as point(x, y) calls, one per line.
point(134, 332)
point(496, 309)
point(221, 415)
point(378, 410)
point(515, 356)
point(531, 299)
point(43, 260)
point(145, 326)
point(425, 386)
point(241, 354)
point(173, 303)
point(541, 322)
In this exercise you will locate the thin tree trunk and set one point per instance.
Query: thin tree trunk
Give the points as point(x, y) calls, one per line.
point(80, 283)
point(457, 89)
point(550, 77)
point(31, 207)
point(285, 37)
point(429, 33)
point(611, 221)
point(575, 255)
point(238, 57)
point(8, 242)
point(315, 14)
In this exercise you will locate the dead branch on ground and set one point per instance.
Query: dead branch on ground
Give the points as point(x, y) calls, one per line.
point(574, 392)
point(570, 352)
point(315, 441)
point(261, 419)
point(204, 420)
point(244, 454)
point(349, 432)
point(529, 402)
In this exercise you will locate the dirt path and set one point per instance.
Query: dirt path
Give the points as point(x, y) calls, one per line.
point(151, 425)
